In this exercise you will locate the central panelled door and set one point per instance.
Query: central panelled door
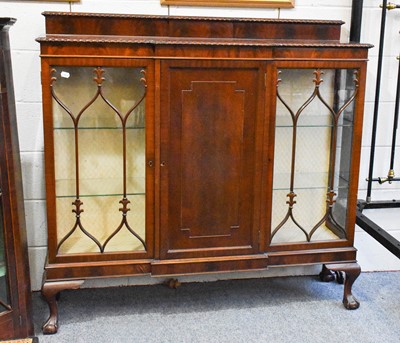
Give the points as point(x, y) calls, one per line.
point(211, 120)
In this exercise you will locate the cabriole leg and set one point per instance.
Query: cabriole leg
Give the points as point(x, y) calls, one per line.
point(50, 292)
point(327, 275)
point(351, 271)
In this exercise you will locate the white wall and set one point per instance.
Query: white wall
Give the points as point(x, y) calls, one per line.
point(26, 67)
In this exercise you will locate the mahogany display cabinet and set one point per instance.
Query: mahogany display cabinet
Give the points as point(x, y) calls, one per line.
point(15, 290)
point(184, 145)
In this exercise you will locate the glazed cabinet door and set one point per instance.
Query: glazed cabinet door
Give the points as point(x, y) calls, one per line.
point(15, 292)
point(211, 137)
point(316, 156)
point(15, 295)
point(99, 152)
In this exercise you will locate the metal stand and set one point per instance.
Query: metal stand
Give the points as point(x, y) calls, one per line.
point(377, 232)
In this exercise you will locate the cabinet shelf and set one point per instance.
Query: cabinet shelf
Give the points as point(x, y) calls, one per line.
point(310, 121)
point(100, 128)
point(100, 187)
point(306, 181)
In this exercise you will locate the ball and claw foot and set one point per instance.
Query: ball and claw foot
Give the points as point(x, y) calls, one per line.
point(347, 272)
point(328, 275)
point(50, 327)
point(350, 302)
point(51, 293)
point(172, 283)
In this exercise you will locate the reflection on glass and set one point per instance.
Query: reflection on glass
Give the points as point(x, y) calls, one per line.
point(4, 295)
point(99, 151)
point(313, 134)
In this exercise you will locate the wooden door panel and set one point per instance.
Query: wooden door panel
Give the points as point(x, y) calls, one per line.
point(211, 159)
point(209, 116)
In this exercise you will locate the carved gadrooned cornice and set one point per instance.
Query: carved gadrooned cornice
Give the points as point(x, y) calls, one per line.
point(194, 41)
point(194, 18)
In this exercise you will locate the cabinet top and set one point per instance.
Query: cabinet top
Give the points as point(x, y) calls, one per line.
point(204, 27)
point(75, 34)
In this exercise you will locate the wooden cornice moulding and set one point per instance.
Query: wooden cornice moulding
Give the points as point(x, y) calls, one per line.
point(200, 41)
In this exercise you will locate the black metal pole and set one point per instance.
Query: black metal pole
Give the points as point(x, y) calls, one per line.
point(376, 105)
point(396, 119)
point(356, 18)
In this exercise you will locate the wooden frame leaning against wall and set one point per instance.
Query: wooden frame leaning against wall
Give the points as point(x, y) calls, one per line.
point(234, 3)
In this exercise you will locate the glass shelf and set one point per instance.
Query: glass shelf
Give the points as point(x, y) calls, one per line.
point(306, 181)
point(101, 128)
point(310, 121)
point(100, 187)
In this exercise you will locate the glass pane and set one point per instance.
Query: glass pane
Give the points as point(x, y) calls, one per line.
point(99, 152)
point(313, 135)
point(4, 292)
